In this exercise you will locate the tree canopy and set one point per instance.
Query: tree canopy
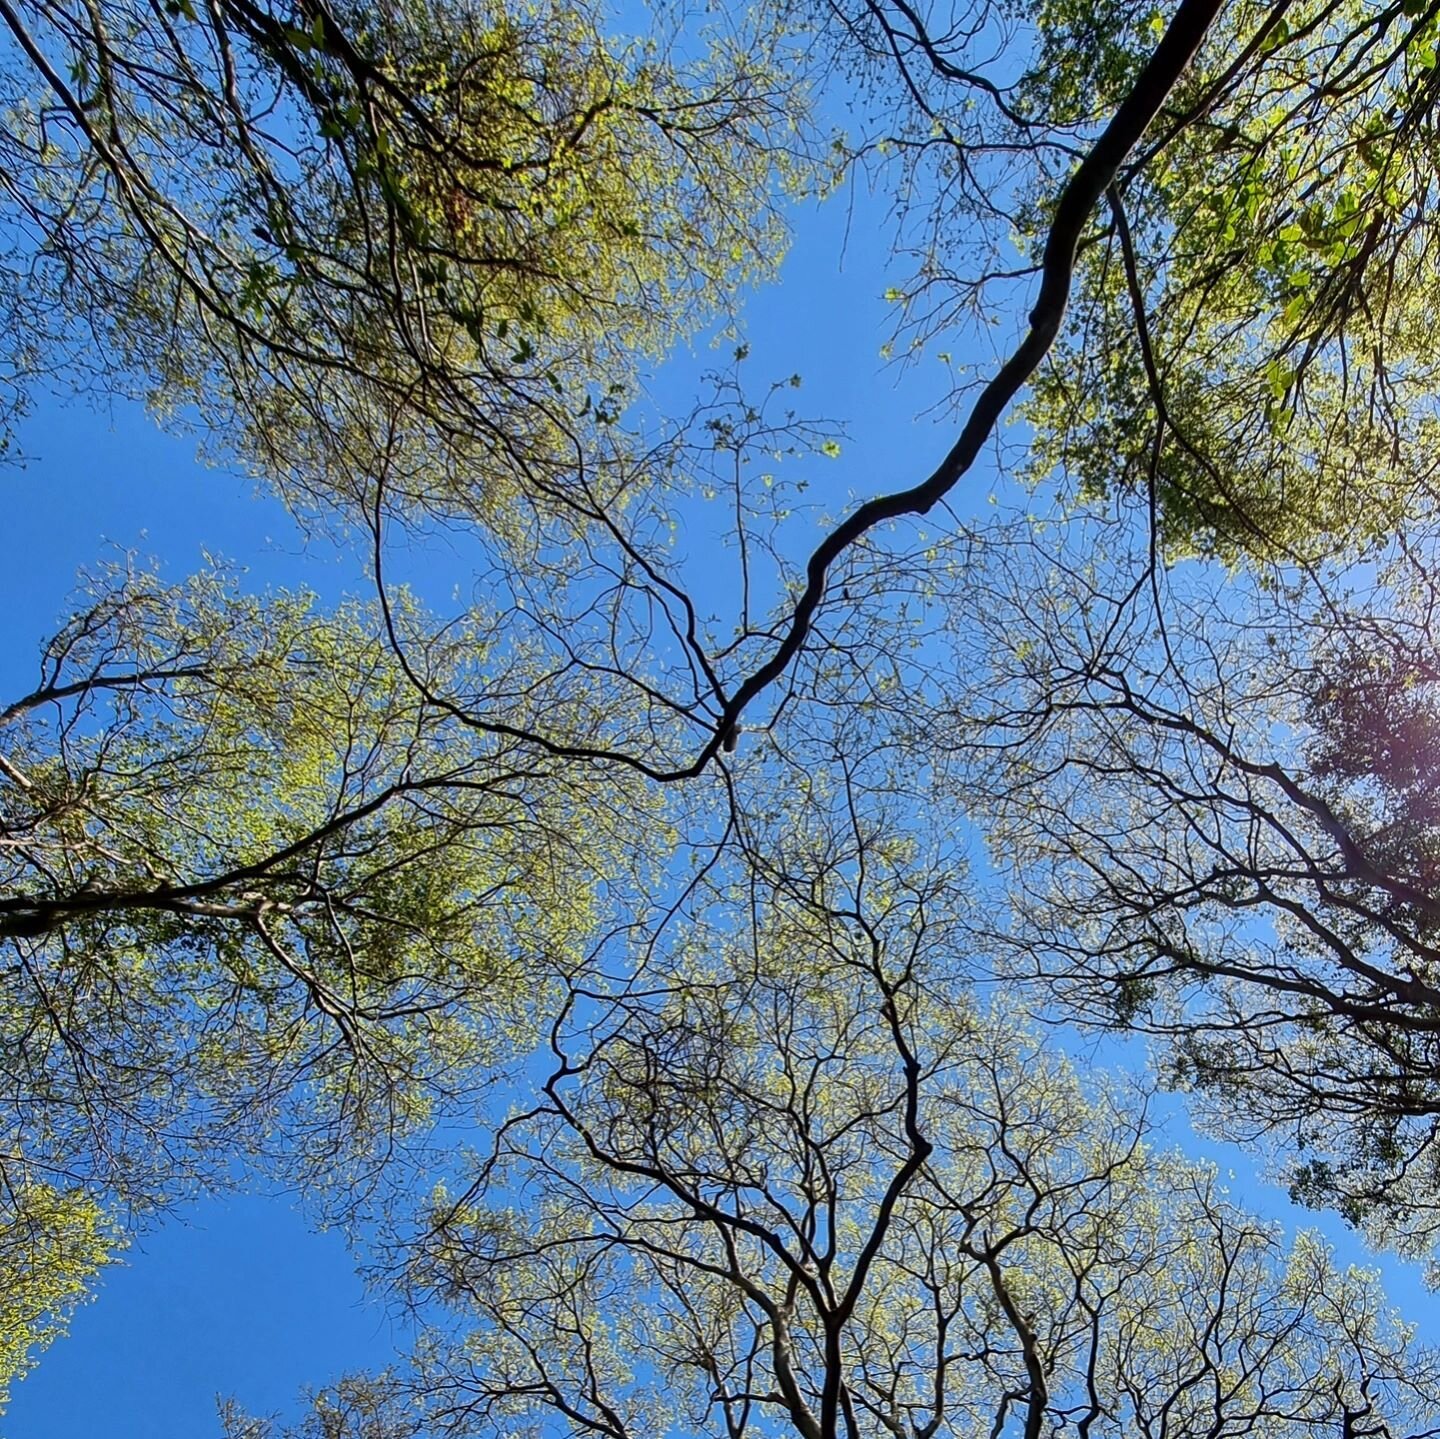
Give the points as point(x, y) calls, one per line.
point(400, 244)
point(614, 947)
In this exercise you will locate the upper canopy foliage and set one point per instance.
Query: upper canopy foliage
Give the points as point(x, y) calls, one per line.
point(260, 899)
point(1255, 334)
point(657, 846)
point(417, 243)
point(780, 1175)
point(52, 1244)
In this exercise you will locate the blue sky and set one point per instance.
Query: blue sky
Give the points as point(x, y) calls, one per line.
point(238, 1296)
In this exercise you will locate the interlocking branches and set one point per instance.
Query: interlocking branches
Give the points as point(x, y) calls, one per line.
point(788, 1179)
point(1222, 833)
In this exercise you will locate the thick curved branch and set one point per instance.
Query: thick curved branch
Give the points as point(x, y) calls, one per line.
point(1076, 202)
point(33, 916)
point(1078, 198)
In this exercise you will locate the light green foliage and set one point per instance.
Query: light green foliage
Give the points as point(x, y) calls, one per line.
point(799, 1175)
point(52, 1245)
point(695, 1276)
point(1281, 214)
point(1270, 240)
point(422, 242)
point(261, 898)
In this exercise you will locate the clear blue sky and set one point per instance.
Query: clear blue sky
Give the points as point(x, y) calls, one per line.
point(239, 1297)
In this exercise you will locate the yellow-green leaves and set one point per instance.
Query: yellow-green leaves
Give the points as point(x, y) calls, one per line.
point(1282, 247)
point(282, 902)
point(52, 1244)
point(474, 215)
